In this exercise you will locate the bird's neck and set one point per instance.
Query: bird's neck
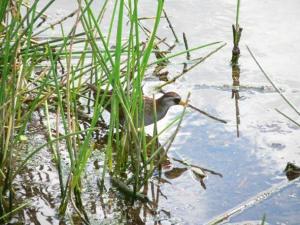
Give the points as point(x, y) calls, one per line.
point(161, 108)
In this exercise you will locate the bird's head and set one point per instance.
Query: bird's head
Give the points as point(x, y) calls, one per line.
point(171, 98)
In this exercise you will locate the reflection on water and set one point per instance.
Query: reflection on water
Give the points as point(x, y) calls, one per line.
point(235, 94)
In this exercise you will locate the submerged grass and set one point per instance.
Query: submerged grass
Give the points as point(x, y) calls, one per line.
point(273, 84)
point(52, 75)
point(288, 101)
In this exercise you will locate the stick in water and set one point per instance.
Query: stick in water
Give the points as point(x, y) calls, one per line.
point(207, 114)
point(202, 112)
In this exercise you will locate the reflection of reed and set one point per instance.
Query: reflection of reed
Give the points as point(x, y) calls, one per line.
point(148, 209)
point(236, 95)
point(141, 213)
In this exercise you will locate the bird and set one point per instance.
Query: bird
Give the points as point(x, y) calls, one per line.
point(162, 104)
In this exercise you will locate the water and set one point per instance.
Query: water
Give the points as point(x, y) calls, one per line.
point(249, 164)
point(255, 161)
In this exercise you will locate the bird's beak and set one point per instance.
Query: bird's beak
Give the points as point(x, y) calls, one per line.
point(183, 103)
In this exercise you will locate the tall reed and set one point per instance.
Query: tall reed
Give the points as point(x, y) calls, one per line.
point(59, 86)
point(237, 33)
point(16, 72)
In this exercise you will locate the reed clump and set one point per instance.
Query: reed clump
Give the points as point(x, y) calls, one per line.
point(51, 75)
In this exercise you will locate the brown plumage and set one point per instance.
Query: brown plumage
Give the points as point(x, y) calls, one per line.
point(162, 105)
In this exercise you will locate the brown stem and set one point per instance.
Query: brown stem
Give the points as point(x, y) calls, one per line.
point(170, 25)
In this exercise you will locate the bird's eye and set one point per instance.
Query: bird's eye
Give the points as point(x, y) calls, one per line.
point(177, 100)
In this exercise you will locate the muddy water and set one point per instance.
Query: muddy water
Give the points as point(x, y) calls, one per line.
point(250, 164)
